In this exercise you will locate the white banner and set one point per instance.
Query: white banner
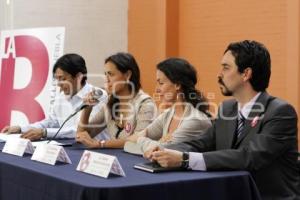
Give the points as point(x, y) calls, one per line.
point(26, 60)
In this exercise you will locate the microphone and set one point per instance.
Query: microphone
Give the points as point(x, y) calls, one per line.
point(98, 94)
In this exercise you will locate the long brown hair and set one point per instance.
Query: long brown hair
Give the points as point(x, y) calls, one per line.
point(124, 62)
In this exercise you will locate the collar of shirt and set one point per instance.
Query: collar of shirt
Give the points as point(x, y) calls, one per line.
point(248, 106)
point(83, 91)
point(78, 97)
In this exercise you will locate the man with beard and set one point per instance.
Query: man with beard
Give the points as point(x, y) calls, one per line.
point(253, 131)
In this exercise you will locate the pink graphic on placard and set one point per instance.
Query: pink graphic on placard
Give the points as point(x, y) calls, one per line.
point(85, 161)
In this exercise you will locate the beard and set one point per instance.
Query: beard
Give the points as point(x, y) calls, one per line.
point(224, 90)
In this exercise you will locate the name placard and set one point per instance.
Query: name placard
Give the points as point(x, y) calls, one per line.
point(49, 154)
point(18, 146)
point(99, 164)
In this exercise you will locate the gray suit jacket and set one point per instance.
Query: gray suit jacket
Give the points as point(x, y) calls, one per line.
point(267, 148)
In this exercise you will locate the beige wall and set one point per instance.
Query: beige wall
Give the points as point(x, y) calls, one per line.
point(94, 28)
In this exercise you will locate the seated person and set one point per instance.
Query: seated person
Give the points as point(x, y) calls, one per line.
point(254, 131)
point(128, 110)
point(70, 72)
point(185, 120)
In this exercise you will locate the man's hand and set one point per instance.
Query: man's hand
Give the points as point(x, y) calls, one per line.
point(33, 134)
point(84, 138)
point(11, 129)
point(148, 153)
point(167, 157)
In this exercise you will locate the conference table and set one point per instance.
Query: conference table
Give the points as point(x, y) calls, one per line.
point(24, 179)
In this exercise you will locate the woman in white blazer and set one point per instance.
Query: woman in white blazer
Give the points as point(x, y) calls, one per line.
point(187, 116)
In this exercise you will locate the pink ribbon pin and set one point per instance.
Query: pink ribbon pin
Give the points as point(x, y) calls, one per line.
point(254, 121)
point(128, 128)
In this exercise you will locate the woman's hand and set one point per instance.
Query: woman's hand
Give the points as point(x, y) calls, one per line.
point(133, 138)
point(84, 138)
point(91, 98)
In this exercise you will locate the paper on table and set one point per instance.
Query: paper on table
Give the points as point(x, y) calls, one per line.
point(45, 142)
point(4, 136)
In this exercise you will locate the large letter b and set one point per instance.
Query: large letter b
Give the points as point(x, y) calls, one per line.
point(23, 100)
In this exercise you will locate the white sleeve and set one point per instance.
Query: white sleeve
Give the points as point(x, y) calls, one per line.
point(196, 161)
point(155, 129)
point(50, 122)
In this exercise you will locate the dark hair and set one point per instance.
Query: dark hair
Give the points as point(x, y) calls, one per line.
point(125, 62)
point(72, 64)
point(256, 56)
point(180, 71)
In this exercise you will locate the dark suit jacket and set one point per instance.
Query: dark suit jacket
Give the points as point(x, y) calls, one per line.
point(267, 147)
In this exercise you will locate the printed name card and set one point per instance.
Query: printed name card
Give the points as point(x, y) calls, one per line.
point(49, 154)
point(99, 164)
point(18, 146)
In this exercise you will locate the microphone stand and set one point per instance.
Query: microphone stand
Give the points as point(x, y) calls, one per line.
point(68, 118)
point(98, 94)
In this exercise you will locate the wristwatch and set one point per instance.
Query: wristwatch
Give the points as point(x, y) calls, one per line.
point(185, 160)
point(44, 133)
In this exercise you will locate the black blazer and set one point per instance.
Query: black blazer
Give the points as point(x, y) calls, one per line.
point(267, 147)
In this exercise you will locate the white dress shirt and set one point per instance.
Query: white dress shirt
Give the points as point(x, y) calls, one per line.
point(196, 160)
point(62, 108)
